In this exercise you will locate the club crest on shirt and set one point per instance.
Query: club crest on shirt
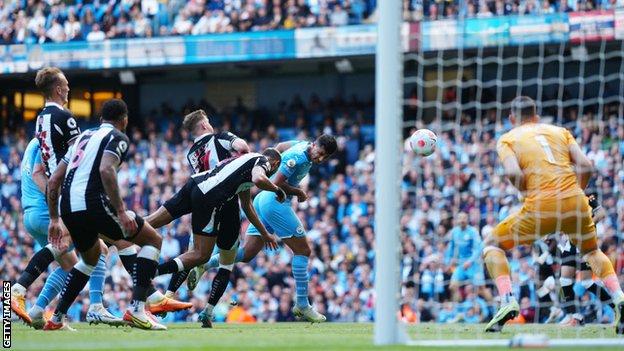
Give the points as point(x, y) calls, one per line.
point(291, 163)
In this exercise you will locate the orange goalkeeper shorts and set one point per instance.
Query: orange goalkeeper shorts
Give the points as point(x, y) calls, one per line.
point(537, 218)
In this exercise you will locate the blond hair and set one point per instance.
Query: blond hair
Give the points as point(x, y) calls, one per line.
point(46, 79)
point(191, 120)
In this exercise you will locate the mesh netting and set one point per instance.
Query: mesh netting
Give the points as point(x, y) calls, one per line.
point(464, 96)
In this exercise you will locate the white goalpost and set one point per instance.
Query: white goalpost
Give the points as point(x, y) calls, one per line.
point(388, 125)
point(485, 79)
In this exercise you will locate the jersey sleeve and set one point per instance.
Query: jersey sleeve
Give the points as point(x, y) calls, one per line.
point(569, 138)
point(67, 125)
point(118, 145)
point(70, 153)
point(264, 163)
point(37, 159)
point(288, 167)
point(503, 147)
point(226, 139)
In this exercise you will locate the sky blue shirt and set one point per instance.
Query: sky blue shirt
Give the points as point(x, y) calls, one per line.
point(32, 197)
point(295, 163)
point(465, 245)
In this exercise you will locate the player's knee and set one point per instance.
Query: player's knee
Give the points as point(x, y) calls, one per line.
point(56, 253)
point(305, 251)
point(67, 260)
point(196, 257)
point(490, 248)
point(152, 237)
point(489, 240)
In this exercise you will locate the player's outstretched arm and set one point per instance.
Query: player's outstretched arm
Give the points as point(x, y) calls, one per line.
point(108, 173)
point(584, 167)
point(260, 179)
point(252, 216)
point(55, 228)
point(281, 147)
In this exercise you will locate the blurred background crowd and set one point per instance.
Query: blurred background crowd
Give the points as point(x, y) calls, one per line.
point(40, 21)
point(462, 176)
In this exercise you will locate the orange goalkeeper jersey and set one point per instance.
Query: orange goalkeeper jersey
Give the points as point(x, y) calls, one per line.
point(543, 153)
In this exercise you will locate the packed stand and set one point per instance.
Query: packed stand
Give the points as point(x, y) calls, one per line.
point(433, 10)
point(37, 21)
point(339, 215)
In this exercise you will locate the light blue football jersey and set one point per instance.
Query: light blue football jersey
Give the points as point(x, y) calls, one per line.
point(32, 197)
point(296, 163)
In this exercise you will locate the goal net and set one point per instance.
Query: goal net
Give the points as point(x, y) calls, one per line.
point(462, 92)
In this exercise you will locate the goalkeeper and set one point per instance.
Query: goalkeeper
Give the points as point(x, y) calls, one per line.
point(546, 164)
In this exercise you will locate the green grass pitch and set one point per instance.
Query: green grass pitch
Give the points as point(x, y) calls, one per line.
point(279, 336)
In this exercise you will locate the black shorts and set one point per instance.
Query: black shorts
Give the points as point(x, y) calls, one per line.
point(544, 271)
point(228, 224)
point(86, 226)
point(571, 258)
point(208, 218)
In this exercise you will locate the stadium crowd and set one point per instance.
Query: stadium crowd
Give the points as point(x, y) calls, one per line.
point(461, 176)
point(38, 21)
point(433, 10)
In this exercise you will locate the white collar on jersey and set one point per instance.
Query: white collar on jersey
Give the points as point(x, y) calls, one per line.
point(199, 137)
point(107, 124)
point(51, 103)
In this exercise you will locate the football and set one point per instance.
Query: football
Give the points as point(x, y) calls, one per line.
point(423, 142)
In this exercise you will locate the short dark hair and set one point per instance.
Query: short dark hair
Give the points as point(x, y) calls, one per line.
point(523, 107)
point(272, 153)
point(46, 79)
point(114, 110)
point(328, 143)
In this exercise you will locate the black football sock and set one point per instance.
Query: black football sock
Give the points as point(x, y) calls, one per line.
point(169, 267)
point(74, 283)
point(544, 307)
point(177, 280)
point(37, 265)
point(128, 263)
point(145, 271)
point(567, 299)
point(219, 284)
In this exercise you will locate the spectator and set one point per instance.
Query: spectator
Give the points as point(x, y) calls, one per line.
point(96, 34)
point(338, 17)
point(72, 27)
point(183, 24)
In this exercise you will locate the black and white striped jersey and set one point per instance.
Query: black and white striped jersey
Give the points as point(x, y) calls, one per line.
point(82, 188)
point(56, 128)
point(210, 149)
point(229, 178)
point(542, 248)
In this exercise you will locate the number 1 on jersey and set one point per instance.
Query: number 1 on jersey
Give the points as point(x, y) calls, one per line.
point(546, 147)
